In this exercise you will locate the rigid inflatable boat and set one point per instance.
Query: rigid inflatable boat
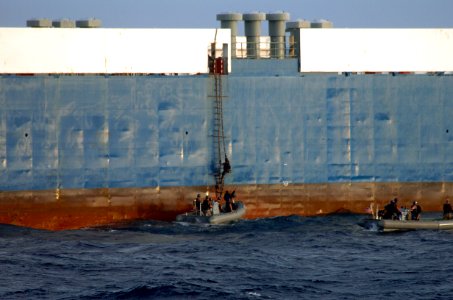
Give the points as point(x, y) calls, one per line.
point(197, 217)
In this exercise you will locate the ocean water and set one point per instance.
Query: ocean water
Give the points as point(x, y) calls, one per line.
point(291, 257)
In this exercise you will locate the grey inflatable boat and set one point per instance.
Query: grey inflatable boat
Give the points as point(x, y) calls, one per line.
point(196, 217)
point(404, 225)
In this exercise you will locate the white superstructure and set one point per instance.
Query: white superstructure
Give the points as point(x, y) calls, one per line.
point(107, 50)
point(376, 50)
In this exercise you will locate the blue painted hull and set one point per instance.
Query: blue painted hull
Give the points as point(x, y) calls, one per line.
point(283, 129)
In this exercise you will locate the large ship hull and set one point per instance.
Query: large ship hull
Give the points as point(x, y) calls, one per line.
point(80, 151)
point(94, 207)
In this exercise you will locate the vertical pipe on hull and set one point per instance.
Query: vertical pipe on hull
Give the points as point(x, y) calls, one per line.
point(252, 26)
point(230, 20)
point(277, 33)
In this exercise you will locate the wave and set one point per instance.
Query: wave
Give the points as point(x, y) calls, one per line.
point(241, 226)
point(177, 290)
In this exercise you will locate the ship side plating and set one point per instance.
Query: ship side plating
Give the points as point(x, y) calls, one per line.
point(89, 148)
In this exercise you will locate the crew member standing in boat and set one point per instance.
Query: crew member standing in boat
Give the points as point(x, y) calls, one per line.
point(216, 206)
point(206, 206)
point(197, 204)
point(416, 211)
point(448, 211)
point(404, 213)
point(227, 197)
point(391, 211)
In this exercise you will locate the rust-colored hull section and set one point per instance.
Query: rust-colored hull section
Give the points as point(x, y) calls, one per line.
point(72, 209)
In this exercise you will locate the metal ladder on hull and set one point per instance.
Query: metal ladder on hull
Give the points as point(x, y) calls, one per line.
point(221, 163)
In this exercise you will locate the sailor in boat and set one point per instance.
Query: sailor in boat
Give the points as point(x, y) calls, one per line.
point(448, 211)
point(416, 211)
point(404, 213)
point(391, 211)
point(228, 205)
point(206, 206)
point(216, 206)
point(197, 204)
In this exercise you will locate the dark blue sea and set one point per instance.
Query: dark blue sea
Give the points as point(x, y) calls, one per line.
point(329, 257)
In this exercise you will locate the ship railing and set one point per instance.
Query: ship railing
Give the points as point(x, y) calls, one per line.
point(262, 47)
point(264, 50)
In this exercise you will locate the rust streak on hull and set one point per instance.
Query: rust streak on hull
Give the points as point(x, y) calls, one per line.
point(72, 209)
